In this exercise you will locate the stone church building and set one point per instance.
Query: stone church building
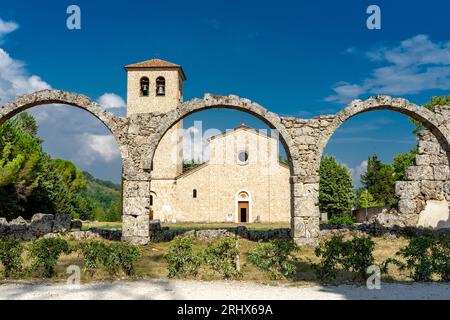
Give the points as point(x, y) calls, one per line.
point(243, 181)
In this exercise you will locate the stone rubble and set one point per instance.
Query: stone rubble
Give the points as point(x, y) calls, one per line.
point(40, 225)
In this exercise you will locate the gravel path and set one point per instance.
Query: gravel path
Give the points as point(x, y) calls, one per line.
point(218, 290)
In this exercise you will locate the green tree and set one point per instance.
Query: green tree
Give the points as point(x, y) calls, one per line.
point(26, 122)
point(336, 187)
point(401, 162)
point(434, 101)
point(20, 154)
point(365, 199)
point(73, 178)
point(30, 181)
point(379, 180)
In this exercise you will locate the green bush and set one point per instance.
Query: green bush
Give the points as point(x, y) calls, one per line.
point(10, 256)
point(341, 220)
point(423, 257)
point(181, 259)
point(45, 254)
point(221, 256)
point(93, 253)
point(128, 255)
point(337, 254)
point(276, 258)
point(359, 256)
point(441, 258)
point(330, 253)
point(113, 257)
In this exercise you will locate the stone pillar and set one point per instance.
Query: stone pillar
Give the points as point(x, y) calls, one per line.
point(426, 180)
point(305, 210)
point(136, 211)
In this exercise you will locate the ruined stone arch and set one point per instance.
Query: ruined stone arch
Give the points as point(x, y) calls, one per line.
point(116, 125)
point(434, 122)
point(285, 128)
point(214, 102)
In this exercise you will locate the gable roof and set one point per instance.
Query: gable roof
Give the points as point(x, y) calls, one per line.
point(156, 64)
point(241, 127)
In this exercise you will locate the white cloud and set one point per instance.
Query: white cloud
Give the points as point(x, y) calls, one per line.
point(415, 65)
point(358, 171)
point(98, 146)
point(15, 80)
point(111, 100)
point(7, 27)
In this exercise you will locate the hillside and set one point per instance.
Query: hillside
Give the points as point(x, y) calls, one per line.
point(105, 197)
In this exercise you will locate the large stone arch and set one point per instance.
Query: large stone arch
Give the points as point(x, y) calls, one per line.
point(435, 122)
point(116, 125)
point(286, 128)
point(211, 101)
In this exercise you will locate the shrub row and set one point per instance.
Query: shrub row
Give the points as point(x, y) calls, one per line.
point(221, 256)
point(45, 253)
point(112, 256)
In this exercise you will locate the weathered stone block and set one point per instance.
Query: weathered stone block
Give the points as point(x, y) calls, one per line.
point(406, 206)
point(428, 147)
point(423, 159)
point(136, 206)
point(432, 190)
point(76, 225)
point(136, 189)
point(441, 173)
point(305, 207)
point(41, 224)
point(62, 222)
point(407, 189)
point(417, 173)
point(305, 227)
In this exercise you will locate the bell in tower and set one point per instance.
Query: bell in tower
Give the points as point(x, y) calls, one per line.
point(161, 86)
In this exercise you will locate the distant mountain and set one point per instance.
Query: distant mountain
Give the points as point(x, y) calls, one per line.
point(106, 197)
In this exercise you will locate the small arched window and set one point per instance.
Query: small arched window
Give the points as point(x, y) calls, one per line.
point(160, 86)
point(151, 200)
point(145, 87)
point(194, 193)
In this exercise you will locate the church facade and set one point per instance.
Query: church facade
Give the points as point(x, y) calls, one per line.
point(243, 181)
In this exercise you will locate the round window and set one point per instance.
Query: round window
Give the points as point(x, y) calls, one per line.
point(243, 156)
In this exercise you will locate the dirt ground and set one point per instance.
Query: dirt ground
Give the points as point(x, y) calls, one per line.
point(218, 290)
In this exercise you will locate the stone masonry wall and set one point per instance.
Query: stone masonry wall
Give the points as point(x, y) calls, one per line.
point(139, 135)
point(427, 179)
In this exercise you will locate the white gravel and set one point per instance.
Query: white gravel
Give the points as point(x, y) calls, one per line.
point(217, 290)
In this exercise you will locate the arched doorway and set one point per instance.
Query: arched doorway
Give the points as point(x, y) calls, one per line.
point(243, 204)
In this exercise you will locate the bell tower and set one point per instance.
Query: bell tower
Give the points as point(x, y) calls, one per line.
point(157, 86)
point(154, 86)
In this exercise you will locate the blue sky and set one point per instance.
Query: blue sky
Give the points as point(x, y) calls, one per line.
point(298, 58)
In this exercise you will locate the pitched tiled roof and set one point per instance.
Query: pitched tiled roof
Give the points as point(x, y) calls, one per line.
point(156, 63)
point(241, 127)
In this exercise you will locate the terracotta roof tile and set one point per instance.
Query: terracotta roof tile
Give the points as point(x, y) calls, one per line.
point(156, 63)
